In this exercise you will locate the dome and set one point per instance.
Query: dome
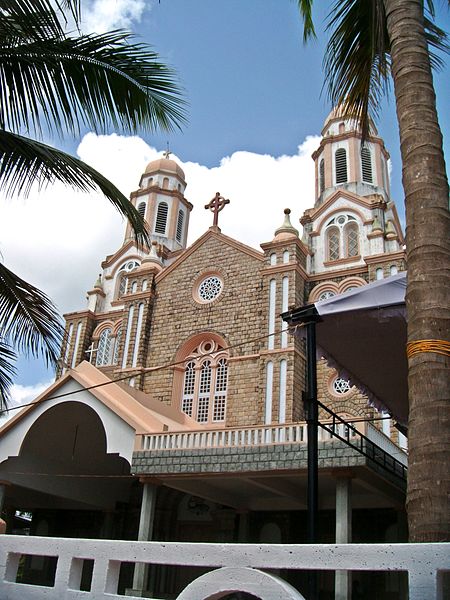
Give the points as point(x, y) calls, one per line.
point(338, 114)
point(164, 164)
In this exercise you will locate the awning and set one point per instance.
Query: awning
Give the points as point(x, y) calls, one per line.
point(362, 333)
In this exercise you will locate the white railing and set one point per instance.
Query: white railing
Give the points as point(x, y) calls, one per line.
point(236, 566)
point(233, 438)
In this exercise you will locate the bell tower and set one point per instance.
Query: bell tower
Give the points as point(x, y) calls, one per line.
point(343, 162)
point(160, 200)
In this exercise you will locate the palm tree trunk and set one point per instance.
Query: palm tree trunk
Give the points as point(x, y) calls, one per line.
point(428, 252)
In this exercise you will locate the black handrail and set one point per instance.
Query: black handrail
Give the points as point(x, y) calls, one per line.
point(368, 449)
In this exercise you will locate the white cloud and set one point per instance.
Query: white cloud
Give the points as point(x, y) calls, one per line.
point(57, 238)
point(100, 16)
point(22, 395)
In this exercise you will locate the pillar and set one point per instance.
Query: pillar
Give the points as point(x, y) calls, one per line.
point(343, 534)
point(145, 534)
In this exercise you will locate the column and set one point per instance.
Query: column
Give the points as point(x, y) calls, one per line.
point(145, 534)
point(343, 534)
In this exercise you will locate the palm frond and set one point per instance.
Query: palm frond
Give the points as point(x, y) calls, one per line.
point(305, 9)
point(95, 80)
point(29, 321)
point(38, 18)
point(357, 59)
point(7, 373)
point(25, 162)
point(357, 62)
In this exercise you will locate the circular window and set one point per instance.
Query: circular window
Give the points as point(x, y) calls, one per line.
point(326, 295)
point(209, 288)
point(341, 386)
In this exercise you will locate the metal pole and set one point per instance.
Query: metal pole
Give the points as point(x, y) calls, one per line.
point(312, 417)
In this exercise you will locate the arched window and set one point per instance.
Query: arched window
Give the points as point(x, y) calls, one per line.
point(161, 217)
point(333, 243)
point(393, 270)
point(351, 239)
point(366, 165)
point(379, 273)
point(123, 285)
point(166, 183)
point(141, 209)
point(104, 348)
point(205, 382)
point(340, 163)
point(321, 175)
point(180, 221)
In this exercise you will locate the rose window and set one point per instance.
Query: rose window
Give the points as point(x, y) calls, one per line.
point(210, 288)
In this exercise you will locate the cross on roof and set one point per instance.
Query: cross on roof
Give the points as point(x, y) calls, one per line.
point(216, 205)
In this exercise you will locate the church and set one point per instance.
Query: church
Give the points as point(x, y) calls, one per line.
point(177, 411)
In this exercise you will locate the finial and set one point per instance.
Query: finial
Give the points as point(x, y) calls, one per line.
point(287, 226)
point(98, 283)
point(215, 206)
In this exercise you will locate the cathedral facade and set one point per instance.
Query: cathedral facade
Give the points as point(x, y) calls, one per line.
point(178, 407)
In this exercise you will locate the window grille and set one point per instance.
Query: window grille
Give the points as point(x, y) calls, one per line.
point(205, 384)
point(161, 218)
point(333, 243)
point(189, 388)
point(204, 392)
point(104, 348)
point(341, 165)
point(220, 392)
point(321, 176)
point(141, 209)
point(123, 286)
point(180, 221)
point(352, 236)
point(366, 165)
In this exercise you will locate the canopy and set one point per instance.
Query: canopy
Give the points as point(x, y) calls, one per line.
point(362, 333)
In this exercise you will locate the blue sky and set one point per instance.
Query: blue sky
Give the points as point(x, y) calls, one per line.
point(254, 93)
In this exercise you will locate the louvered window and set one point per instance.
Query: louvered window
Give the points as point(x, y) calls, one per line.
point(366, 165)
point(180, 221)
point(141, 209)
point(341, 165)
point(161, 218)
point(321, 176)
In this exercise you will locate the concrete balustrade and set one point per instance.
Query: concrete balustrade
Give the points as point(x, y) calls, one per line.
point(423, 562)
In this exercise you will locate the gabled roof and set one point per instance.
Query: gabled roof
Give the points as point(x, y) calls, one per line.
point(139, 410)
point(212, 233)
point(363, 201)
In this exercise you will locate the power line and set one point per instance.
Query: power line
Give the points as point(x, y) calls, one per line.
point(145, 370)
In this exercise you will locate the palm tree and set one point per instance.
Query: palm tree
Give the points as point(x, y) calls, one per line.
point(55, 82)
point(370, 41)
